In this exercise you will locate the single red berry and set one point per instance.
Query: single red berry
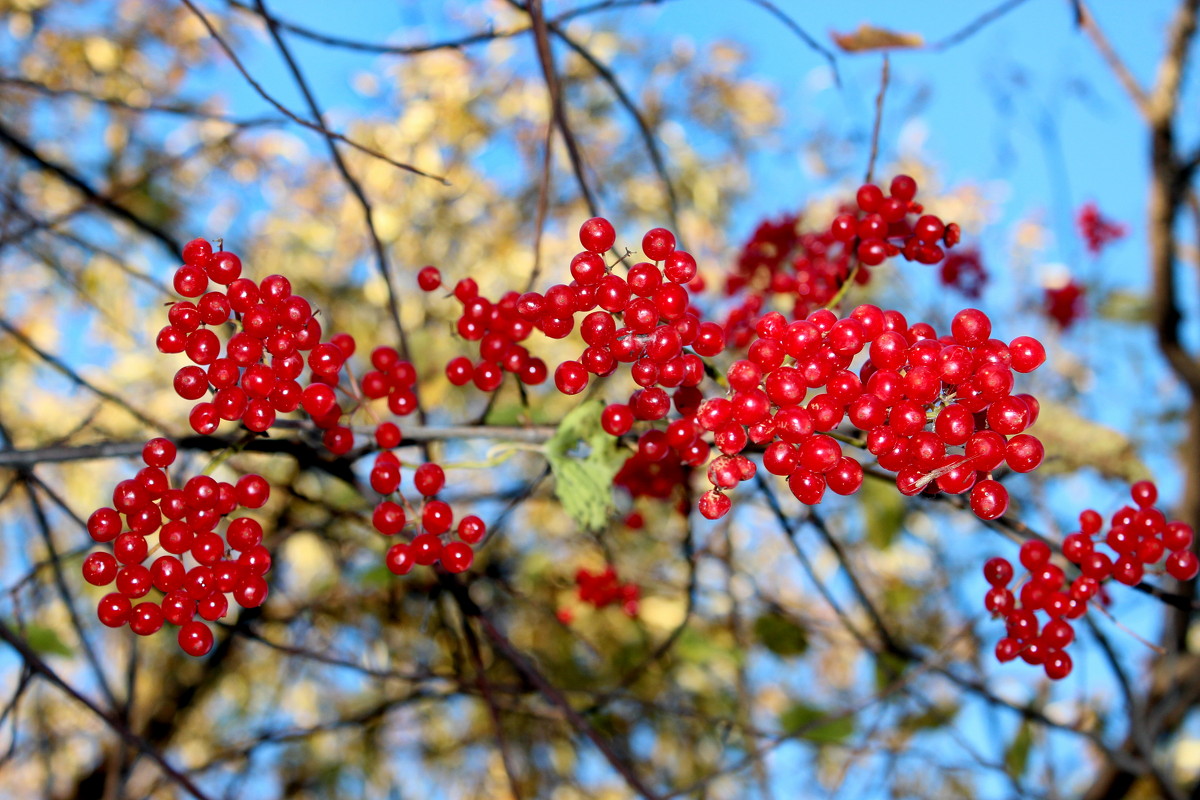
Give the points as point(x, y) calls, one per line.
point(570, 377)
point(99, 569)
point(429, 479)
point(400, 559)
point(471, 529)
point(714, 505)
point(429, 278)
point(159, 452)
point(1144, 493)
point(252, 490)
point(869, 197)
point(426, 549)
point(195, 638)
point(457, 556)
point(146, 619)
point(1183, 565)
point(904, 188)
point(251, 591)
point(989, 499)
point(597, 235)
point(658, 243)
point(998, 571)
point(113, 610)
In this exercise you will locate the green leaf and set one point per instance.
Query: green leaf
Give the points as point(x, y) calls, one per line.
point(45, 641)
point(806, 721)
point(699, 647)
point(934, 717)
point(888, 667)
point(780, 635)
point(1122, 305)
point(585, 460)
point(1016, 755)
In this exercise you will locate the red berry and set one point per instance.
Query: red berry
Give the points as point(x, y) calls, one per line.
point(1183, 565)
point(989, 499)
point(146, 619)
point(400, 559)
point(429, 479)
point(195, 638)
point(998, 571)
point(658, 243)
point(597, 235)
point(471, 529)
point(570, 377)
point(457, 557)
point(429, 279)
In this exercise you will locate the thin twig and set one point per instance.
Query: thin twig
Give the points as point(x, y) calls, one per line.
point(804, 36)
point(557, 105)
point(975, 26)
point(293, 116)
point(35, 663)
point(76, 378)
point(884, 75)
point(103, 201)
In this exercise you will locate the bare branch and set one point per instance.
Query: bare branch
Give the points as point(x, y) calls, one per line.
point(803, 35)
point(287, 112)
point(22, 148)
point(975, 26)
point(557, 106)
point(35, 663)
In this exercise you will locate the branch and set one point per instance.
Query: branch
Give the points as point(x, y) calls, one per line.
point(551, 693)
point(15, 143)
point(35, 663)
point(287, 112)
point(76, 378)
point(554, 89)
point(1109, 54)
point(308, 455)
point(975, 26)
point(804, 36)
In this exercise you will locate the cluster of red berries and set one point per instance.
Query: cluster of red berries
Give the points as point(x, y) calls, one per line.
point(499, 329)
point(432, 521)
point(601, 589)
point(1098, 231)
point(273, 323)
point(393, 378)
point(1138, 537)
point(963, 270)
point(918, 399)
point(883, 228)
point(782, 261)
point(1065, 304)
point(185, 521)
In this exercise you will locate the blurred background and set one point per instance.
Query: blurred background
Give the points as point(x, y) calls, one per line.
point(756, 665)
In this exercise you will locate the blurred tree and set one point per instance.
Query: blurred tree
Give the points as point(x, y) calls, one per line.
point(780, 652)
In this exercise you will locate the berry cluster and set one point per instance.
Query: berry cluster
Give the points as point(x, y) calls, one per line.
point(257, 378)
point(918, 398)
point(435, 516)
point(1138, 537)
point(883, 229)
point(938, 412)
point(778, 261)
point(499, 329)
point(273, 323)
point(185, 521)
point(601, 589)
point(1065, 304)
point(963, 270)
point(1098, 231)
